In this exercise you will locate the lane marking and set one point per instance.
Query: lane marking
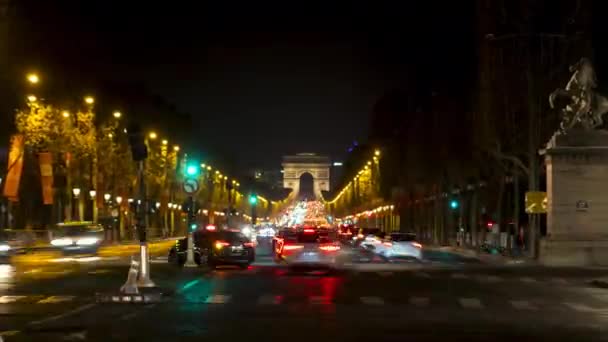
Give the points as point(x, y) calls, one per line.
point(10, 299)
point(99, 271)
point(270, 299)
point(8, 333)
point(560, 281)
point(523, 305)
point(188, 285)
point(419, 301)
point(585, 308)
point(470, 303)
point(56, 299)
point(63, 315)
point(372, 300)
point(217, 299)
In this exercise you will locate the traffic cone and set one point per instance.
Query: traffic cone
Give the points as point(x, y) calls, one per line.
point(130, 286)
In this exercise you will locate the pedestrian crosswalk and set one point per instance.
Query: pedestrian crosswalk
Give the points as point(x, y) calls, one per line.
point(414, 302)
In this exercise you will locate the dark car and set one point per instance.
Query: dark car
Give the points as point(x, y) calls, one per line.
point(216, 248)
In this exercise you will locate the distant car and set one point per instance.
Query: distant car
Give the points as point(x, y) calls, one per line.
point(394, 246)
point(77, 237)
point(307, 247)
point(215, 248)
point(5, 249)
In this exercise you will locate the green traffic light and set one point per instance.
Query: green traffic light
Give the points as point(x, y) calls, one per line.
point(192, 170)
point(193, 226)
point(453, 204)
point(253, 199)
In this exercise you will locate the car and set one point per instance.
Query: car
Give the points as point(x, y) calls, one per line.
point(307, 247)
point(77, 237)
point(216, 248)
point(5, 249)
point(394, 246)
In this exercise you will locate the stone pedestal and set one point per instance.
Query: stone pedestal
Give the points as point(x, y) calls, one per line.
point(577, 194)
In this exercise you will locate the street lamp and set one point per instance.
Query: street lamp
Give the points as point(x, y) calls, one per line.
point(117, 114)
point(33, 78)
point(92, 193)
point(107, 197)
point(76, 192)
point(377, 152)
point(176, 148)
point(118, 199)
point(165, 142)
point(89, 100)
point(32, 98)
point(157, 205)
point(152, 135)
point(65, 114)
point(130, 200)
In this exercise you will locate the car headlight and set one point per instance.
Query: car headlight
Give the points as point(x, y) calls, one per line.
point(4, 248)
point(61, 242)
point(87, 241)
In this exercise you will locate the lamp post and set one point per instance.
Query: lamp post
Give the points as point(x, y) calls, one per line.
point(93, 195)
point(120, 228)
point(76, 206)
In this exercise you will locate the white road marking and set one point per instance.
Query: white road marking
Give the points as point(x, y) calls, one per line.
point(523, 305)
point(560, 281)
point(490, 279)
point(372, 300)
point(217, 299)
point(422, 275)
point(270, 299)
point(470, 303)
point(419, 301)
point(8, 333)
point(459, 276)
point(99, 271)
point(10, 299)
point(581, 307)
point(528, 280)
point(56, 299)
point(63, 315)
point(319, 300)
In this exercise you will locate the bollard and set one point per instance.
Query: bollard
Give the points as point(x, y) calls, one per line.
point(130, 286)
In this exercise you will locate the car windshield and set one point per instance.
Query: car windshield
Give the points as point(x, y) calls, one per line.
point(77, 230)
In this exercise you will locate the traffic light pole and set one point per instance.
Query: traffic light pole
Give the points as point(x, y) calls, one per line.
point(191, 218)
point(144, 264)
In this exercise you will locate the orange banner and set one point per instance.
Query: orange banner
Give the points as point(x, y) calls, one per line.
point(45, 159)
point(15, 165)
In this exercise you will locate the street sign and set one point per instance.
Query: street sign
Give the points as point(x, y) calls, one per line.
point(536, 202)
point(190, 186)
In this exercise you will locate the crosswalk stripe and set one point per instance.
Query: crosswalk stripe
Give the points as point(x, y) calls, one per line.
point(319, 300)
point(422, 274)
point(372, 300)
point(56, 299)
point(10, 299)
point(470, 303)
point(490, 279)
point(270, 300)
point(419, 301)
point(217, 299)
point(528, 280)
point(523, 305)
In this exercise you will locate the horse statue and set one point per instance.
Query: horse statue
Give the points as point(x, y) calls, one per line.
point(584, 106)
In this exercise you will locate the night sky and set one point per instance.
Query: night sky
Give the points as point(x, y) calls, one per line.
point(260, 81)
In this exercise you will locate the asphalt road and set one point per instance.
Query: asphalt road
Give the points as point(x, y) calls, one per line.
point(434, 301)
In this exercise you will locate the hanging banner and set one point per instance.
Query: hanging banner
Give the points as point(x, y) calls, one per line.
point(15, 165)
point(45, 159)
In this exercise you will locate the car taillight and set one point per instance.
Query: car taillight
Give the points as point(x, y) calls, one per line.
point(248, 244)
point(291, 247)
point(221, 244)
point(309, 231)
point(329, 248)
point(416, 244)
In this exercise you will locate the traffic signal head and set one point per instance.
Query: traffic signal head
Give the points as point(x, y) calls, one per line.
point(253, 199)
point(193, 227)
point(454, 204)
point(192, 169)
point(139, 150)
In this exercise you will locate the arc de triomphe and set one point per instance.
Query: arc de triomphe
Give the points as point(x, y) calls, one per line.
point(297, 165)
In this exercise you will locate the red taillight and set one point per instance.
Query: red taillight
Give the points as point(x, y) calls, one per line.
point(416, 244)
point(329, 248)
point(248, 244)
point(210, 227)
point(291, 247)
point(309, 231)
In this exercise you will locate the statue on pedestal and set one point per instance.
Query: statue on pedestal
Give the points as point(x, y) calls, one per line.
point(583, 105)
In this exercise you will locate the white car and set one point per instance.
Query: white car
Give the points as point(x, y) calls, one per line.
point(396, 245)
point(308, 247)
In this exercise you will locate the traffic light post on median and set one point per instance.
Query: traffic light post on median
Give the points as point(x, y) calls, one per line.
point(190, 187)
